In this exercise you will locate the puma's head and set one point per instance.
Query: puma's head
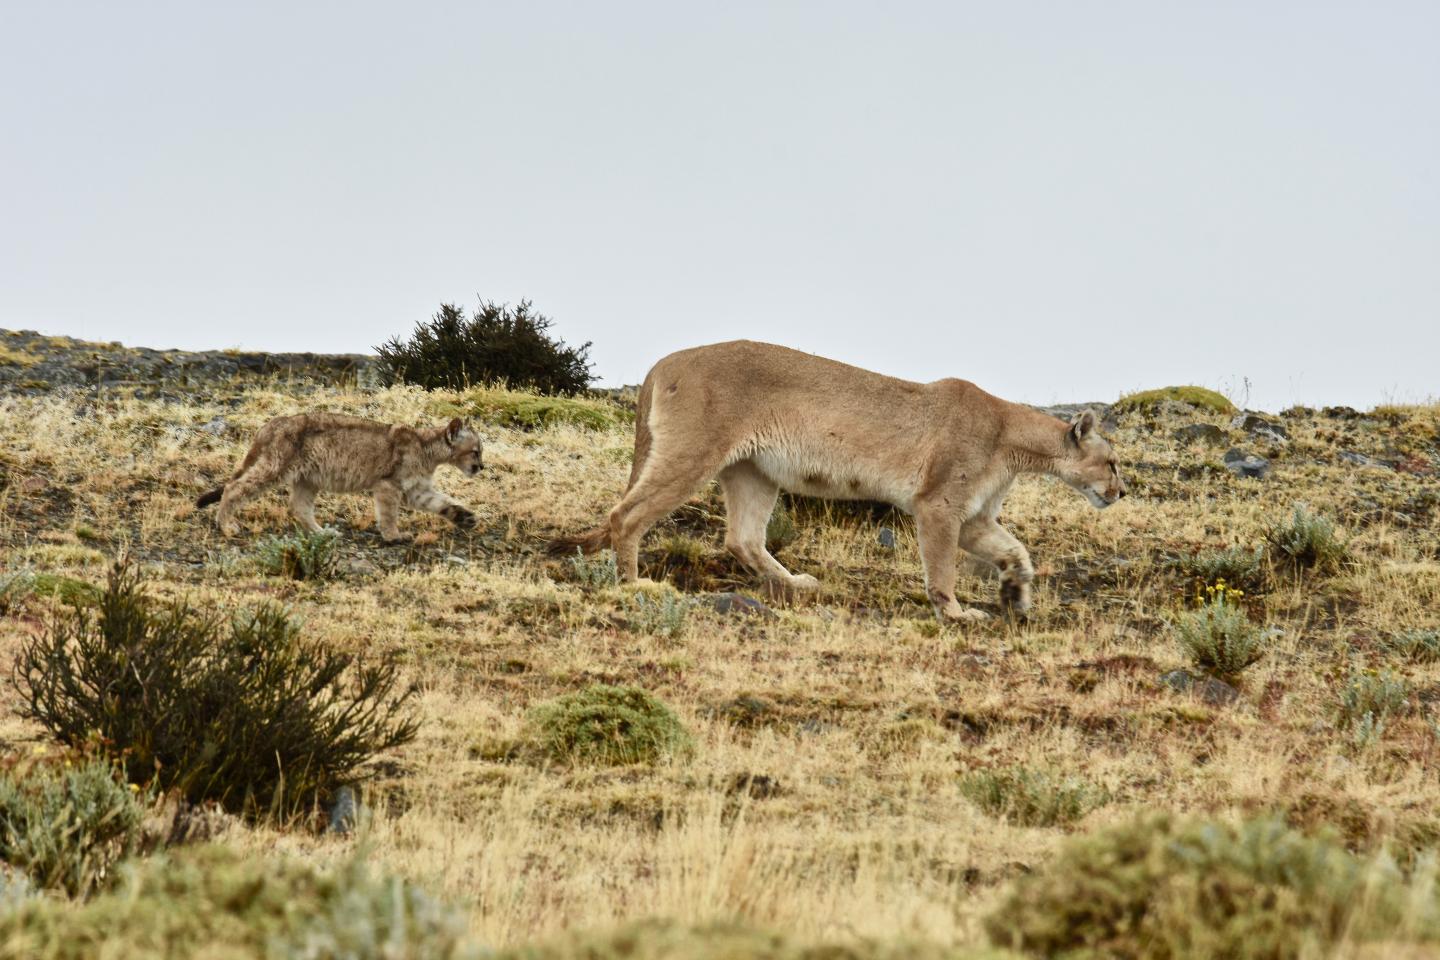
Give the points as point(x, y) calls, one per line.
point(1088, 464)
point(464, 446)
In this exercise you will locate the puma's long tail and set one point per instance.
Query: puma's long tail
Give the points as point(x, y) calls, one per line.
point(212, 497)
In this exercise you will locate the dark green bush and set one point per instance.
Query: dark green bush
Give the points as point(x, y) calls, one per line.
point(240, 710)
point(211, 902)
point(1163, 888)
point(606, 725)
point(65, 827)
point(300, 556)
point(497, 343)
point(1032, 798)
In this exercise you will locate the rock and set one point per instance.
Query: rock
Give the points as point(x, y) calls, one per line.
point(741, 605)
point(886, 538)
point(1208, 690)
point(1200, 433)
point(1244, 464)
point(345, 812)
point(757, 786)
point(1258, 426)
point(1361, 460)
point(1341, 413)
point(748, 711)
point(216, 427)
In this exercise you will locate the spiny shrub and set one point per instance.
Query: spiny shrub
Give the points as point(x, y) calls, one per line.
point(1377, 696)
point(1163, 889)
point(1417, 646)
point(1237, 564)
point(238, 709)
point(496, 343)
point(303, 555)
point(1219, 637)
point(664, 615)
point(1032, 798)
point(1306, 541)
point(66, 826)
point(15, 587)
point(595, 572)
point(606, 726)
point(207, 901)
point(780, 529)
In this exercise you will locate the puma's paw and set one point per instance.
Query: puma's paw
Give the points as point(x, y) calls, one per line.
point(804, 583)
point(959, 614)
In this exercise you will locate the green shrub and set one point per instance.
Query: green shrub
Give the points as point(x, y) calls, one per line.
point(606, 726)
point(1237, 565)
point(302, 555)
point(65, 827)
point(66, 589)
point(664, 615)
point(1163, 888)
point(1307, 541)
point(780, 529)
point(15, 587)
point(1377, 696)
point(497, 343)
point(240, 710)
point(1032, 798)
point(1219, 637)
point(207, 901)
point(594, 572)
point(1149, 400)
point(1417, 646)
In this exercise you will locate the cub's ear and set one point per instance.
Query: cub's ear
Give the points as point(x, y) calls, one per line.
point(453, 428)
point(1082, 426)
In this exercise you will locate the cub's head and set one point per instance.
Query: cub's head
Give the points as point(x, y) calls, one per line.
point(1088, 464)
point(464, 444)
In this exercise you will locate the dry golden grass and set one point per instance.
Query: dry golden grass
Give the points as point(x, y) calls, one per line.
point(864, 714)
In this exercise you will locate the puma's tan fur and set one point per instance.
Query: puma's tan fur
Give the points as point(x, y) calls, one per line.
point(761, 418)
point(315, 452)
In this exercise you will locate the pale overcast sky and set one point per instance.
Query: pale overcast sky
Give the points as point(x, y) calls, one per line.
point(1059, 201)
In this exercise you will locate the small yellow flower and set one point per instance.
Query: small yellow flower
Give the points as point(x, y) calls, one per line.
point(134, 787)
point(41, 749)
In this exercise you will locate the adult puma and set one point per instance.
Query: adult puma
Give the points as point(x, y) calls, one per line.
point(314, 452)
point(761, 418)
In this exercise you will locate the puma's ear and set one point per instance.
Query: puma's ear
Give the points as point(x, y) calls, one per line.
point(452, 430)
point(1082, 425)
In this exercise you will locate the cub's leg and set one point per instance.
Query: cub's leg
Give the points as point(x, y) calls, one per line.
point(666, 480)
point(302, 504)
point(387, 512)
point(749, 501)
point(420, 495)
point(255, 478)
point(938, 529)
point(985, 538)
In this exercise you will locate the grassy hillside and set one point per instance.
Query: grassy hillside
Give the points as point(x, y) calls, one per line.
point(853, 774)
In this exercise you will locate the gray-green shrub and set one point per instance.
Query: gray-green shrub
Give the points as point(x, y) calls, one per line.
point(1032, 797)
point(606, 726)
point(303, 555)
point(1218, 636)
point(1306, 541)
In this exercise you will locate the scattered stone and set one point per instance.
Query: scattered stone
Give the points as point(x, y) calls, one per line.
point(345, 813)
point(1200, 433)
point(741, 605)
point(216, 427)
point(1341, 413)
point(1208, 690)
point(748, 711)
point(757, 786)
point(1258, 426)
point(1361, 460)
point(458, 561)
point(1244, 464)
point(886, 537)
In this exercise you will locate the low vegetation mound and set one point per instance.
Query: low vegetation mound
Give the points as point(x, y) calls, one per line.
point(497, 343)
point(1032, 798)
point(235, 709)
point(606, 726)
point(1307, 541)
point(521, 410)
point(1148, 401)
point(211, 902)
point(1162, 888)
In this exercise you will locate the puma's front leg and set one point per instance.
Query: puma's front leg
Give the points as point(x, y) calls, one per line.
point(985, 538)
point(938, 529)
point(422, 496)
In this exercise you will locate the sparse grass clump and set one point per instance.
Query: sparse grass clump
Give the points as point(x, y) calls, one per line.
point(1307, 541)
point(1416, 646)
point(66, 826)
point(780, 529)
point(15, 587)
point(1371, 698)
point(1219, 637)
point(661, 615)
point(1237, 565)
point(529, 411)
point(1163, 888)
point(606, 726)
point(594, 572)
point(1032, 798)
point(1149, 400)
point(302, 555)
point(239, 710)
point(211, 902)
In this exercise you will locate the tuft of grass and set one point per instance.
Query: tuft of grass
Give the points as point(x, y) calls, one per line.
point(1416, 646)
point(663, 614)
point(1030, 797)
point(1306, 541)
point(1161, 888)
point(1237, 564)
point(606, 726)
point(16, 586)
point(1219, 637)
point(237, 710)
point(302, 555)
point(66, 826)
point(1146, 401)
point(596, 572)
point(207, 901)
point(1376, 696)
point(10, 357)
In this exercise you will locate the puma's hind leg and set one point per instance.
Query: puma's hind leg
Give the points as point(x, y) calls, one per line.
point(749, 500)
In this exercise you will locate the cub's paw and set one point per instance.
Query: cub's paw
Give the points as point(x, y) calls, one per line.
point(395, 537)
point(459, 516)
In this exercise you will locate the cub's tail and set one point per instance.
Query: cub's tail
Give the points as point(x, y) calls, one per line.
point(588, 542)
point(212, 497)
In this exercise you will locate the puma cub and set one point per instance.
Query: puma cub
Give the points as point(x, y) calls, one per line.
point(332, 452)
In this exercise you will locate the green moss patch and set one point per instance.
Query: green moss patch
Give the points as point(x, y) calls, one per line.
point(1149, 400)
